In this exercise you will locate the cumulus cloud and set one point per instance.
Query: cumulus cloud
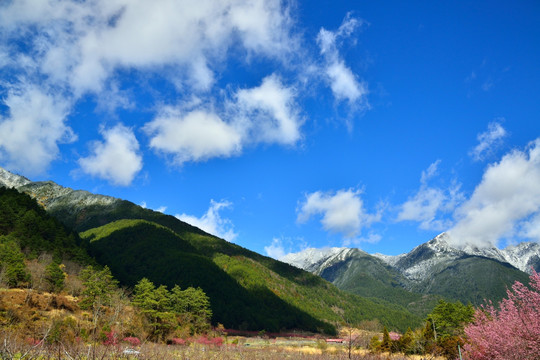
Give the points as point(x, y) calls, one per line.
point(343, 82)
point(33, 128)
point(116, 159)
point(83, 43)
point(276, 249)
point(505, 204)
point(429, 203)
point(488, 140)
point(195, 136)
point(266, 113)
point(342, 212)
point(212, 222)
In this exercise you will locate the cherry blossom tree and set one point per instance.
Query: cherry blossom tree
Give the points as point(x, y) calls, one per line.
point(509, 331)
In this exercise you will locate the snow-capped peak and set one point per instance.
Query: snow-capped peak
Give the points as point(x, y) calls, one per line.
point(308, 259)
point(11, 180)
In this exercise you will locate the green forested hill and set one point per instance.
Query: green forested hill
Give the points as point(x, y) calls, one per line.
point(367, 276)
point(27, 225)
point(247, 290)
point(473, 279)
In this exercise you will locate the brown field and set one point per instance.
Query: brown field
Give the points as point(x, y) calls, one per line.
point(247, 348)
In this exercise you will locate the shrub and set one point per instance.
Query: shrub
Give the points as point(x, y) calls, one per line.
point(133, 341)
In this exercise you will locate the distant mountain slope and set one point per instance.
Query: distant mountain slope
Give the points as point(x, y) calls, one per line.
point(357, 272)
point(434, 268)
point(247, 290)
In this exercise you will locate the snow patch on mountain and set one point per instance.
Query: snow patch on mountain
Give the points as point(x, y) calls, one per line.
point(310, 259)
point(51, 195)
point(389, 259)
point(11, 180)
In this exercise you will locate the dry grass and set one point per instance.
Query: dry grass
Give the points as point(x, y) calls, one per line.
point(11, 348)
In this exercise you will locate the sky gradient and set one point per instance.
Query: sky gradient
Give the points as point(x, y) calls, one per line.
point(283, 125)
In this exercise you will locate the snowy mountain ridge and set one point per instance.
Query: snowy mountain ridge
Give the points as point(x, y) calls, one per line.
point(424, 259)
point(51, 195)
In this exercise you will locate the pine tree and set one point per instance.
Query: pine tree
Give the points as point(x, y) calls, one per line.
point(386, 344)
point(55, 276)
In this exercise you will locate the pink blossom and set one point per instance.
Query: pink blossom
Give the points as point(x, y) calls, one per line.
point(511, 331)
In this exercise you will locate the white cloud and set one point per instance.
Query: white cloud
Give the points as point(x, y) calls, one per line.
point(33, 128)
point(117, 159)
point(505, 204)
point(83, 43)
point(342, 80)
point(160, 209)
point(430, 172)
point(342, 212)
point(195, 136)
point(429, 203)
point(212, 222)
point(275, 249)
point(268, 112)
point(530, 229)
point(488, 140)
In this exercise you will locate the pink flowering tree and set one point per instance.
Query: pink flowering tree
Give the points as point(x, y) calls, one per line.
point(511, 331)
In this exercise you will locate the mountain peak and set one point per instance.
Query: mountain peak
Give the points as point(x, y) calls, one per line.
point(310, 258)
point(11, 180)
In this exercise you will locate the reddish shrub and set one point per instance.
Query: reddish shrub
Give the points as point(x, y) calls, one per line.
point(134, 341)
point(111, 338)
point(177, 341)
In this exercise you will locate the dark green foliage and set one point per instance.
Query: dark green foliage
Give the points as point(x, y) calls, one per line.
point(473, 279)
point(99, 286)
point(55, 276)
point(450, 318)
point(166, 310)
point(34, 231)
point(193, 305)
point(12, 263)
point(444, 330)
point(365, 275)
point(386, 344)
point(406, 343)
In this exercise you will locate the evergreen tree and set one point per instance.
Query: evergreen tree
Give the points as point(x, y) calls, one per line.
point(386, 344)
point(99, 285)
point(12, 263)
point(55, 276)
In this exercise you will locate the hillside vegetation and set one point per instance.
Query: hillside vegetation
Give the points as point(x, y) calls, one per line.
point(247, 290)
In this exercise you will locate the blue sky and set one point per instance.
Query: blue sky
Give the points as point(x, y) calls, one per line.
point(285, 125)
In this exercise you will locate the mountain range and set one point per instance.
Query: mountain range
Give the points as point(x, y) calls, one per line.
point(469, 274)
